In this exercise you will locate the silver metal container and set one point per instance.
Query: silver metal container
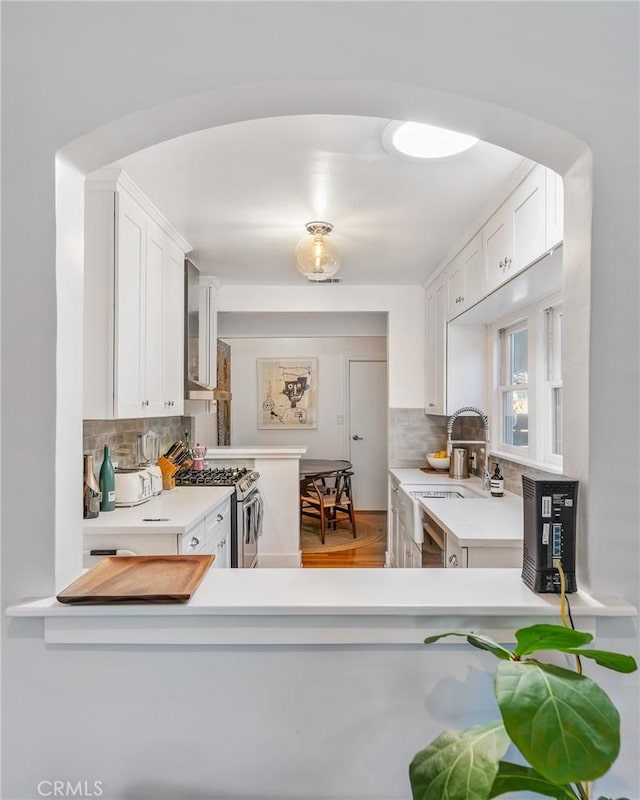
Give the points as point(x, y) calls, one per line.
point(459, 463)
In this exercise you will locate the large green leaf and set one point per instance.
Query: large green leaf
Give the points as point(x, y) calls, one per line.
point(516, 778)
point(482, 642)
point(548, 637)
point(459, 765)
point(563, 723)
point(616, 661)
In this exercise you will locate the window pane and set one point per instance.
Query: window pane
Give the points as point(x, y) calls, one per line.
point(556, 420)
point(515, 418)
point(518, 361)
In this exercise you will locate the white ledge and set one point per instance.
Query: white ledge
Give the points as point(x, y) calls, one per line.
point(214, 453)
point(323, 606)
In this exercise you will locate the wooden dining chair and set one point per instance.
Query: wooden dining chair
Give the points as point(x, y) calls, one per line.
point(328, 498)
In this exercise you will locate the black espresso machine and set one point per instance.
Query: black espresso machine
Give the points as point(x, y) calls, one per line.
point(550, 508)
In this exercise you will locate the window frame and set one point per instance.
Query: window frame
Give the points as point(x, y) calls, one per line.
point(504, 388)
point(544, 374)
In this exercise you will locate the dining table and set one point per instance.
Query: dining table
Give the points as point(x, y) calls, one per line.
point(322, 466)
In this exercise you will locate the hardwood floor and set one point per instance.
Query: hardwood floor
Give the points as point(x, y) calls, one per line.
point(360, 557)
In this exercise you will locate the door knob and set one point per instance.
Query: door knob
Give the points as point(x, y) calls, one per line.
point(357, 438)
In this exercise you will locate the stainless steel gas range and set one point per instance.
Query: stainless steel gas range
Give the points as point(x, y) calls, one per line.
point(246, 507)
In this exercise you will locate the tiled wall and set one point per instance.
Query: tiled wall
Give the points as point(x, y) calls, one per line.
point(122, 436)
point(413, 434)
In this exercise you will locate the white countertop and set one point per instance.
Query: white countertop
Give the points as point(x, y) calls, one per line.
point(174, 511)
point(481, 522)
point(255, 452)
point(322, 606)
point(474, 522)
point(340, 592)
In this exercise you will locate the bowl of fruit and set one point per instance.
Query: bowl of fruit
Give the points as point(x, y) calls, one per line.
point(439, 460)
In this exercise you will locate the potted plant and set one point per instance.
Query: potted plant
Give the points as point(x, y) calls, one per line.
point(564, 725)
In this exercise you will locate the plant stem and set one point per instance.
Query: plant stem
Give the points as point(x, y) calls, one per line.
point(582, 793)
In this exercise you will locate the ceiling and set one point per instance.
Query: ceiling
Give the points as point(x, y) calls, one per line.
point(241, 195)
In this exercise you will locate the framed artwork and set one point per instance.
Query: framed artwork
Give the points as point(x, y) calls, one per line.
point(287, 393)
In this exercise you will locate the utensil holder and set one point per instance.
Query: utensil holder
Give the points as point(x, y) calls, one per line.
point(168, 469)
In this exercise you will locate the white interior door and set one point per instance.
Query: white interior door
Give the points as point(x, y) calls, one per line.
point(368, 433)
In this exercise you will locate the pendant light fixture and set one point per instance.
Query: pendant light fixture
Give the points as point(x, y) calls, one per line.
point(317, 258)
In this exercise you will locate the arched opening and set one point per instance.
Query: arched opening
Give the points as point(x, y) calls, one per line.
point(511, 130)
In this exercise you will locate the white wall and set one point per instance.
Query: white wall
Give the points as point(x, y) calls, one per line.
point(329, 439)
point(198, 722)
point(403, 304)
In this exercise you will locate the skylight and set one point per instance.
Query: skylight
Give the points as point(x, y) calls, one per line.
point(418, 140)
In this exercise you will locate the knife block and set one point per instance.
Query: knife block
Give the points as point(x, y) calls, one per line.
point(168, 469)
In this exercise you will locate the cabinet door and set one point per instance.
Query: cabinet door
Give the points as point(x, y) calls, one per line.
point(473, 272)
point(208, 336)
point(455, 556)
point(156, 246)
point(466, 278)
point(527, 206)
point(173, 331)
point(455, 288)
point(193, 541)
point(130, 288)
point(436, 312)
point(498, 247)
point(217, 526)
point(554, 190)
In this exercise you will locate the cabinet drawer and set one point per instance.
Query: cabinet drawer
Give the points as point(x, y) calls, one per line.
point(220, 516)
point(455, 556)
point(194, 540)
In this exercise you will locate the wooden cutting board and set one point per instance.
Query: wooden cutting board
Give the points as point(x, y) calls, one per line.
point(139, 579)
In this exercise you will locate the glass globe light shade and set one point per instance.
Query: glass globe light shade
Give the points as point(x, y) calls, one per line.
point(316, 257)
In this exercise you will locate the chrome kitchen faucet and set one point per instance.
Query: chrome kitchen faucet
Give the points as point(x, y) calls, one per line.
point(485, 423)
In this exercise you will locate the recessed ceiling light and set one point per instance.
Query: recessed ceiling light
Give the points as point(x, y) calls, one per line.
point(418, 140)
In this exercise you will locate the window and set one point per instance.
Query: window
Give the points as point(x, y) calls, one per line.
point(514, 389)
point(527, 385)
point(552, 389)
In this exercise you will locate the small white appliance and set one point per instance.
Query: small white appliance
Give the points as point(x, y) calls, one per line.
point(133, 486)
point(155, 473)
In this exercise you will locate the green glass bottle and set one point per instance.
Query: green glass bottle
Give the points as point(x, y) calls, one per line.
point(107, 482)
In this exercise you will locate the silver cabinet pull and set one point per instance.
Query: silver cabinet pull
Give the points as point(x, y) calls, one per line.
point(357, 438)
point(219, 517)
point(194, 541)
point(432, 405)
point(145, 402)
point(453, 560)
point(221, 544)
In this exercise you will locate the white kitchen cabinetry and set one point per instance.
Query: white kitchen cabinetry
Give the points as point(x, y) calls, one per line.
point(208, 333)
point(554, 192)
point(465, 278)
point(217, 525)
point(393, 528)
point(516, 234)
point(435, 352)
point(134, 304)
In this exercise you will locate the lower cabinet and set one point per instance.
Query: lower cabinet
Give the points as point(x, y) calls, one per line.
point(210, 535)
point(217, 527)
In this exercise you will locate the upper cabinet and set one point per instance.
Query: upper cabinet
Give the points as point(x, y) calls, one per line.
point(134, 304)
point(554, 191)
point(465, 278)
point(516, 234)
point(436, 308)
point(525, 227)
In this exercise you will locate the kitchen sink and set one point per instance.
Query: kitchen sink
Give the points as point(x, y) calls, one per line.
point(437, 492)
